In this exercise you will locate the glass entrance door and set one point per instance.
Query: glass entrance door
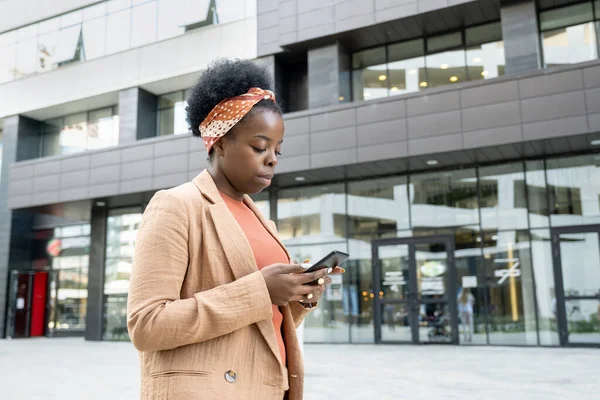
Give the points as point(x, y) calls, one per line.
point(415, 291)
point(577, 279)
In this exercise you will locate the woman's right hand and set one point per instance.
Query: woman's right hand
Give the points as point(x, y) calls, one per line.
point(286, 282)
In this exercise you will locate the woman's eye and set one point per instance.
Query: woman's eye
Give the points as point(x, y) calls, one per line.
point(278, 154)
point(256, 149)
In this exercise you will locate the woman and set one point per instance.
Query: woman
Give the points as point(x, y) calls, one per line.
point(214, 302)
point(465, 311)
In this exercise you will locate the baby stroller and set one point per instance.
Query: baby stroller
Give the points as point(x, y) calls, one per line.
point(437, 323)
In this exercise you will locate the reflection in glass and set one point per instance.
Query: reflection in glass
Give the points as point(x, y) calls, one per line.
point(73, 136)
point(7, 62)
point(573, 184)
point(46, 51)
point(230, 10)
point(508, 274)
point(118, 31)
point(445, 62)
point(370, 76)
point(327, 323)
point(94, 34)
point(406, 67)
point(502, 197)
point(377, 206)
point(541, 255)
point(580, 262)
point(261, 200)
point(171, 114)
point(26, 62)
point(144, 27)
point(312, 215)
point(169, 19)
point(67, 46)
point(583, 320)
point(395, 326)
point(570, 45)
point(444, 199)
point(357, 300)
point(115, 318)
point(537, 194)
point(485, 51)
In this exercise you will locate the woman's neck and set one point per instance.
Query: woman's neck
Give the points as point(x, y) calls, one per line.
point(223, 184)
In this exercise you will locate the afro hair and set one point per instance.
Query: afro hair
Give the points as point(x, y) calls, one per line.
point(224, 79)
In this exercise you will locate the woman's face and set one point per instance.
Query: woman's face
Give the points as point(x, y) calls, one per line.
point(248, 158)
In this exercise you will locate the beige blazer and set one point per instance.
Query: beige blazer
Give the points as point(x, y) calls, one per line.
point(199, 311)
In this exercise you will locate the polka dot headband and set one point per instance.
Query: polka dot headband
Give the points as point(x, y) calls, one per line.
point(228, 113)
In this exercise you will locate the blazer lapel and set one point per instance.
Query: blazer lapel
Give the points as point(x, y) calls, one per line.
point(235, 245)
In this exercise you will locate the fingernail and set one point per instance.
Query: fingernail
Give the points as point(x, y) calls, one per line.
point(343, 270)
point(310, 296)
point(329, 270)
point(306, 260)
point(321, 281)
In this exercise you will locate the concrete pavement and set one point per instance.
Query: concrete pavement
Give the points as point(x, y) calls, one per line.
point(72, 369)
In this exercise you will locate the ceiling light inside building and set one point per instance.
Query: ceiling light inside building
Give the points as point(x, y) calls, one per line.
point(367, 94)
point(412, 71)
point(595, 142)
point(300, 179)
point(100, 203)
point(477, 59)
point(484, 73)
point(423, 84)
point(382, 77)
point(341, 98)
point(394, 89)
point(454, 79)
point(444, 66)
point(432, 162)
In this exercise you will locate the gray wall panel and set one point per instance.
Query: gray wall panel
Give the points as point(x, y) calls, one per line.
point(594, 122)
point(48, 183)
point(106, 158)
point(434, 125)
point(104, 189)
point(287, 8)
point(21, 187)
point(591, 77)
point(75, 163)
point(433, 103)
point(496, 93)
point(353, 8)
point(171, 164)
point(135, 185)
point(140, 152)
point(396, 12)
point(381, 112)
point(74, 179)
point(105, 174)
point(169, 181)
point(295, 146)
point(491, 116)
point(552, 107)
point(434, 145)
point(137, 169)
point(289, 164)
point(74, 194)
point(592, 100)
point(382, 132)
point(333, 158)
point(354, 23)
point(332, 120)
point(382, 151)
point(551, 83)
point(520, 33)
point(335, 139)
point(492, 137)
point(555, 128)
point(46, 168)
point(178, 145)
point(297, 126)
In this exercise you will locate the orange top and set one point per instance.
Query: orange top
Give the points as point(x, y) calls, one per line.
point(266, 249)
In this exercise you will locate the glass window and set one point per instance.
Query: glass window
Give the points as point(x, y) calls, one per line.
point(574, 190)
point(26, 63)
point(47, 46)
point(377, 206)
point(502, 197)
point(144, 24)
point(27, 32)
point(67, 45)
point(509, 277)
point(73, 136)
point(370, 80)
point(444, 199)
point(329, 323)
point(93, 12)
point(261, 200)
point(7, 62)
point(194, 14)
point(71, 19)
point(118, 31)
point(406, 67)
point(230, 10)
point(50, 25)
point(51, 137)
point(171, 114)
point(103, 129)
point(541, 254)
point(445, 67)
point(169, 19)
point(485, 51)
point(312, 215)
point(568, 35)
point(94, 35)
point(537, 194)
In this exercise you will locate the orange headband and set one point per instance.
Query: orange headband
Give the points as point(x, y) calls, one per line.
point(228, 113)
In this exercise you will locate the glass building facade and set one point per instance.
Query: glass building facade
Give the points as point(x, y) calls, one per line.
point(106, 28)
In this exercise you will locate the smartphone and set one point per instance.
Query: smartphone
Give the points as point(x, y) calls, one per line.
point(331, 260)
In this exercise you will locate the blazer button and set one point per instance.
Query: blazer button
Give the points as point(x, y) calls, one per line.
point(230, 376)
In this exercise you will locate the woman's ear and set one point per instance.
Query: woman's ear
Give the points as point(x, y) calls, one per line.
point(218, 147)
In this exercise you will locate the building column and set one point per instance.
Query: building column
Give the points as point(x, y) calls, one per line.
point(328, 76)
point(137, 115)
point(96, 269)
point(521, 36)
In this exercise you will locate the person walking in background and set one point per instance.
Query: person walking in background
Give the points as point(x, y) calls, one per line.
point(214, 302)
point(466, 301)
